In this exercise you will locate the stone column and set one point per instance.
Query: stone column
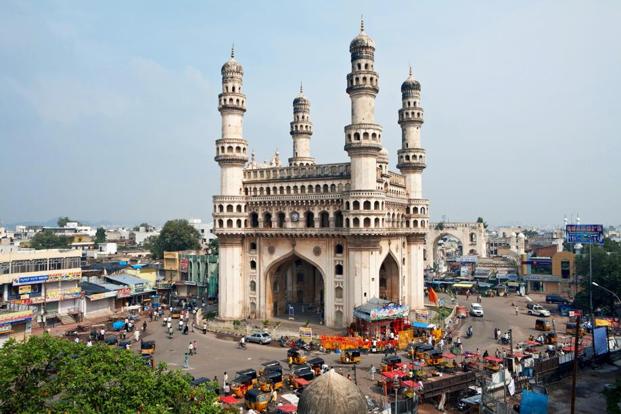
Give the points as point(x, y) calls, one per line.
point(414, 280)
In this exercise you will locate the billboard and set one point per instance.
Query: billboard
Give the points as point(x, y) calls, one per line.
point(600, 340)
point(585, 233)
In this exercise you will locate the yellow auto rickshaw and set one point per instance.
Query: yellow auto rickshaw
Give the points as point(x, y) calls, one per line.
point(389, 363)
point(175, 313)
point(296, 356)
point(241, 385)
point(272, 380)
point(257, 400)
point(147, 347)
point(433, 357)
point(351, 357)
point(543, 325)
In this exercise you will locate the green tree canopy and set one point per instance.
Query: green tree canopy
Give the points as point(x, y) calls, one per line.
point(606, 262)
point(147, 226)
point(175, 235)
point(46, 239)
point(100, 236)
point(480, 220)
point(47, 374)
point(62, 221)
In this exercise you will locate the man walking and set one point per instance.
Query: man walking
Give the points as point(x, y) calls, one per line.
point(191, 349)
point(195, 345)
point(373, 370)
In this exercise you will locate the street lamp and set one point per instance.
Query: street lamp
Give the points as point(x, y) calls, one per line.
point(606, 289)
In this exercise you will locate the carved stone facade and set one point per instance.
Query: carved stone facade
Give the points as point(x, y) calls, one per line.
point(321, 238)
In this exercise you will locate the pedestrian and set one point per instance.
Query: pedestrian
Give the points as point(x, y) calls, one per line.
point(517, 309)
point(144, 326)
point(195, 343)
point(373, 370)
point(225, 379)
point(441, 344)
point(479, 298)
point(180, 325)
point(137, 335)
point(349, 377)
point(290, 362)
point(186, 360)
point(274, 395)
point(205, 328)
point(192, 325)
point(77, 340)
point(89, 343)
point(467, 294)
point(185, 329)
point(191, 348)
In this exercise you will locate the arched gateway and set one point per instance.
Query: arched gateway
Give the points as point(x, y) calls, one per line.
point(321, 238)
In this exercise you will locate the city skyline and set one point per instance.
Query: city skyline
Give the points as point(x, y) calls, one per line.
point(123, 122)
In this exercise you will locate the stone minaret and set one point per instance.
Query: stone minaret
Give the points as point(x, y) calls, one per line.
point(411, 163)
point(231, 155)
point(301, 131)
point(364, 202)
point(231, 148)
point(363, 135)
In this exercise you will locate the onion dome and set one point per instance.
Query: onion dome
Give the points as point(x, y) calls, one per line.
point(232, 65)
point(382, 157)
point(362, 40)
point(410, 83)
point(332, 393)
point(301, 99)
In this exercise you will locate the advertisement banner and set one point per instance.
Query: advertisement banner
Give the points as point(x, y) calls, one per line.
point(28, 280)
point(183, 265)
point(13, 317)
point(25, 289)
point(123, 293)
point(585, 233)
point(306, 334)
point(600, 340)
point(62, 276)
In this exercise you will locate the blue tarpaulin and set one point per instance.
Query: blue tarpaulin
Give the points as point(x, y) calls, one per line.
point(533, 403)
point(422, 325)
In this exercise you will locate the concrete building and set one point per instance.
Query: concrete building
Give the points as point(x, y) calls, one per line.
point(552, 274)
point(204, 229)
point(320, 239)
point(47, 281)
point(191, 274)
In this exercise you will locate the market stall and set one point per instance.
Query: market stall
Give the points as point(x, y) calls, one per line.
point(380, 317)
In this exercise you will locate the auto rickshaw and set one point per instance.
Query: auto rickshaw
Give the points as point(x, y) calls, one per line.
point(124, 343)
point(421, 350)
point(248, 373)
point(111, 340)
point(316, 364)
point(241, 385)
point(304, 372)
point(351, 357)
point(296, 356)
point(148, 360)
point(433, 357)
point(257, 400)
point(570, 329)
point(147, 347)
point(270, 366)
point(543, 325)
point(389, 363)
point(175, 313)
point(272, 380)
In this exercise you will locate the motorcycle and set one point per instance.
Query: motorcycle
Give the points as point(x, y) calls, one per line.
point(284, 341)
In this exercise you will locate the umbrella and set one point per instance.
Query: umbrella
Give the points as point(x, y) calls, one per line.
point(228, 399)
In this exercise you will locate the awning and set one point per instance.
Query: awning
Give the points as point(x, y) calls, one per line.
point(463, 285)
point(423, 325)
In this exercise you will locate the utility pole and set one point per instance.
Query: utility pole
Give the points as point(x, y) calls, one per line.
point(575, 368)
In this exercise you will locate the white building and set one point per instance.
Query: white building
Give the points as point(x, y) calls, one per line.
point(321, 238)
point(204, 229)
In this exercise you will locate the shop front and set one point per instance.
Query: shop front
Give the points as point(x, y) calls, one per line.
point(379, 317)
point(15, 324)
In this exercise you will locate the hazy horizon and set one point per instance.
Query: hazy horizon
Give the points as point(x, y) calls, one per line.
point(108, 111)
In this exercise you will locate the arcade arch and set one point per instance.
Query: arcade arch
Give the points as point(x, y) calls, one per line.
point(389, 279)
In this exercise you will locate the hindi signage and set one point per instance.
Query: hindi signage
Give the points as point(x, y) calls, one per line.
point(585, 233)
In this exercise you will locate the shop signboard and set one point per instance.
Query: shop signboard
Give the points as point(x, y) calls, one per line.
point(62, 276)
point(29, 280)
point(391, 311)
point(24, 289)
point(139, 287)
point(306, 334)
point(123, 293)
point(103, 295)
point(13, 317)
point(183, 265)
point(585, 233)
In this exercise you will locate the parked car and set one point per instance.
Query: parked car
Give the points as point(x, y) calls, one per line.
point(259, 338)
point(556, 299)
point(537, 310)
point(476, 309)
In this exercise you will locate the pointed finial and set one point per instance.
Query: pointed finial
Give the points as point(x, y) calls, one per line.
point(411, 70)
point(301, 88)
point(233, 51)
point(362, 23)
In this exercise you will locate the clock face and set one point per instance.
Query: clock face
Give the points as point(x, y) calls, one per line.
point(295, 216)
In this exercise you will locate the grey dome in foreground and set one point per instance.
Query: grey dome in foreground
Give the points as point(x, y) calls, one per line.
point(332, 393)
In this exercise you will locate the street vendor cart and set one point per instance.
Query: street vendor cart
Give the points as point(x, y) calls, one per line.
point(377, 316)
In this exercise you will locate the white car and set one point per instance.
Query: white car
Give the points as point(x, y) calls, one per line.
point(259, 338)
point(538, 310)
point(476, 309)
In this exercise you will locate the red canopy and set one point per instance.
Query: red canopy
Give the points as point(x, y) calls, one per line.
point(301, 381)
point(405, 365)
point(394, 374)
point(411, 384)
point(228, 399)
point(448, 355)
point(287, 408)
point(492, 359)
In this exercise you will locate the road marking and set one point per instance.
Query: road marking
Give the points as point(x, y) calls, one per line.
point(528, 298)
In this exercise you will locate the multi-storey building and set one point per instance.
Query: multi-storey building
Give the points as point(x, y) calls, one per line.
point(320, 239)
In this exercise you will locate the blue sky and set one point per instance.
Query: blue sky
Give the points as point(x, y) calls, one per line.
point(108, 110)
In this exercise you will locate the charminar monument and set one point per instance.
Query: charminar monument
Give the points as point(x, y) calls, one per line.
point(315, 240)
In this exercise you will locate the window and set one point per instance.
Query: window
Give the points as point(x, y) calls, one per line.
point(281, 220)
point(367, 205)
point(267, 220)
point(253, 286)
point(338, 269)
point(338, 249)
point(253, 265)
point(338, 219)
point(324, 219)
point(338, 292)
point(253, 246)
point(254, 220)
point(310, 219)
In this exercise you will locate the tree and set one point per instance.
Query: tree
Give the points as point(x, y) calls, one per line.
point(49, 374)
point(100, 235)
point(147, 226)
point(175, 235)
point(46, 239)
point(480, 220)
point(440, 226)
point(62, 221)
point(606, 264)
point(213, 246)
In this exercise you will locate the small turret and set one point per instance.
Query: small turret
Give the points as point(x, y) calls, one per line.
point(301, 131)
